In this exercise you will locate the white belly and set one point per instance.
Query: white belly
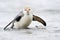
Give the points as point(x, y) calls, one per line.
point(24, 22)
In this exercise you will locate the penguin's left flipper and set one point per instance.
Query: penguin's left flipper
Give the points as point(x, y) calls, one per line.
point(36, 18)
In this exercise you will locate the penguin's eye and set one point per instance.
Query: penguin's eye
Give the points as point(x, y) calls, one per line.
point(25, 9)
point(29, 9)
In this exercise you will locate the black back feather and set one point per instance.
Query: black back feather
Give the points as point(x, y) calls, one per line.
point(18, 18)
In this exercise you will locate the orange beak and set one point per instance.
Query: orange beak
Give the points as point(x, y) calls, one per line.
point(27, 9)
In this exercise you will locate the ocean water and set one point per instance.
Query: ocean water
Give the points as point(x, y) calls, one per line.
point(47, 10)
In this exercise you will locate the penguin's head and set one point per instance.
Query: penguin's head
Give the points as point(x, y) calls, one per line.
point(27, 10)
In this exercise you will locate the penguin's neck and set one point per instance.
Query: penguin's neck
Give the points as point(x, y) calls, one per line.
point(27, 14)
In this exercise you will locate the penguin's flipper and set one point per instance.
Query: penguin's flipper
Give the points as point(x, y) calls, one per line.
point(17, 18)
point(36, 18)
point(12, 25)
point(8, 24)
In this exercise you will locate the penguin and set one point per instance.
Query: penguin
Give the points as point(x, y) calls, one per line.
point(24, 19)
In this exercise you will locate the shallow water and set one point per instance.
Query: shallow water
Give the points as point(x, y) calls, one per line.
point(52, 31)
point(8, 11)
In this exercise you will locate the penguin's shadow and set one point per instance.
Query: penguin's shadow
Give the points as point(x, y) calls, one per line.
point(14, 29)
point(22, 31)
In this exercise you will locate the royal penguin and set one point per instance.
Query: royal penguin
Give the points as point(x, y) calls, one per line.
point(24, 19)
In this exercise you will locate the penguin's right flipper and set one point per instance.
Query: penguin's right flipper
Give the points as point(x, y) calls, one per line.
point(8, 24)
point(17, 18)
point(12, 25)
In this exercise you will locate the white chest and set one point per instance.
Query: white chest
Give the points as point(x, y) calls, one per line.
point(24, 21)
